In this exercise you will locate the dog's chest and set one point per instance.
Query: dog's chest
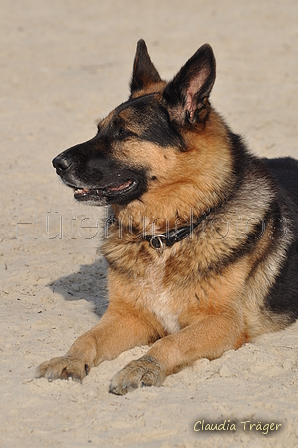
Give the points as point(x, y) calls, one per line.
point(144, 275)
point(160, 301)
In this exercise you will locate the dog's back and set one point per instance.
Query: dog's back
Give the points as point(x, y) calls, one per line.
point(285, 171)
point(282, 297)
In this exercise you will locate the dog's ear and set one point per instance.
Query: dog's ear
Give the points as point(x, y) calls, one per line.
point(144, 73)
point(187, 94)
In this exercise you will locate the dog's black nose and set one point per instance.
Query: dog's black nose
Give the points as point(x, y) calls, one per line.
point(61, 163)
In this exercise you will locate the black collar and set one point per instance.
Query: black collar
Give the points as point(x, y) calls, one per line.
point(169, 238)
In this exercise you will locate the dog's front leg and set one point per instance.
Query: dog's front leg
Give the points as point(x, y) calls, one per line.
point(207, 338)
point(117, 331)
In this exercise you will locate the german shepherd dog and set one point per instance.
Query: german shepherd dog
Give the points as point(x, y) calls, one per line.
point(202, 247)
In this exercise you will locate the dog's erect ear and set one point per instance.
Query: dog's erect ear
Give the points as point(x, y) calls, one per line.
point(144, 73)
point(187, 94)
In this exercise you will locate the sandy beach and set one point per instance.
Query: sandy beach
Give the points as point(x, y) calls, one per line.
point(64, 65)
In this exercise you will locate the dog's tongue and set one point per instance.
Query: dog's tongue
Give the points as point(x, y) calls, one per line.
point(120, 186)
point(111, 189)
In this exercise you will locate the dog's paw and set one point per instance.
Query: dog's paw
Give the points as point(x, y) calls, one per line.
point(145, 371)
point(63, 368)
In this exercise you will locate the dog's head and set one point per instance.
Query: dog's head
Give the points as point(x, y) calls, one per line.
point(138, 146)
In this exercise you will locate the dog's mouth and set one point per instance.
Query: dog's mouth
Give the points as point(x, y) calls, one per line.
point(114, 190)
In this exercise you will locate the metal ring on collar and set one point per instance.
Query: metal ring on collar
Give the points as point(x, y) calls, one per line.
point(158, 238)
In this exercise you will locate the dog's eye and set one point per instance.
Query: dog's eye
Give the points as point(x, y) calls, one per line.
point(121, 133)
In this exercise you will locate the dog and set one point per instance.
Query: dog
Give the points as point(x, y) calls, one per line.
point(202, 247)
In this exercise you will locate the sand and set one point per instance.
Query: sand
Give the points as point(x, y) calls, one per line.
point(65, 64)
